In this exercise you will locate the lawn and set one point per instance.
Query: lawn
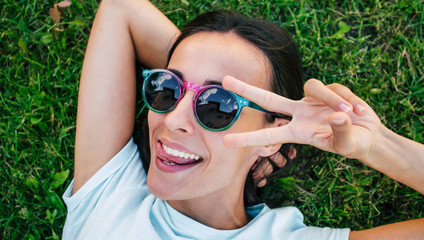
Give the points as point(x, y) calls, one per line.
point(374, 47)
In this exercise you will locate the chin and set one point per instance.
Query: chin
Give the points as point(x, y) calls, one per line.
point(159, 188)
point(153, 187)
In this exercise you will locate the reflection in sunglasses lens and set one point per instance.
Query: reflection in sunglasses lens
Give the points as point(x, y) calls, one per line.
point(216, 108)
point(162, 91)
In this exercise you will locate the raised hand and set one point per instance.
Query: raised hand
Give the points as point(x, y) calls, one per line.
point(329, 117)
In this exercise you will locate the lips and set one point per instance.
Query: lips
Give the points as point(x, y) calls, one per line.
point(174, 157)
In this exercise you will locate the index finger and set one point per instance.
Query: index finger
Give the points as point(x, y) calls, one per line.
point(262, 137)
point(266, 99)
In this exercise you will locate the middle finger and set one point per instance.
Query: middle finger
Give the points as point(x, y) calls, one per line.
point(266, 99)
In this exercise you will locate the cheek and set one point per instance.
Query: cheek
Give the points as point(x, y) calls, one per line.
point(249, 120)
point(231, 161)
point(154, 120)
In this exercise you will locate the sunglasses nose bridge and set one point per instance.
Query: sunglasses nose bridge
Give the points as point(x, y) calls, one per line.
point(191, 86)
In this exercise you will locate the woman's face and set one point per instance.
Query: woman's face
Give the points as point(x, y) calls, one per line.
point(220, 171)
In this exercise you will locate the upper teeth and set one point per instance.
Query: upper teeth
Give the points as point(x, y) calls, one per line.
point(177, 153)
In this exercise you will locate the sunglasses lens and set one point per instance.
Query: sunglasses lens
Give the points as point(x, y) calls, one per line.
point(161, 91)
point(216, 108)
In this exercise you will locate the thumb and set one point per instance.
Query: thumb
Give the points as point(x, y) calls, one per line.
point(344, 143)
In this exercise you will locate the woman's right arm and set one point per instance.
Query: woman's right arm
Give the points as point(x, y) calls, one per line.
point(122, 30)
point(320, 121)
point(358, 134)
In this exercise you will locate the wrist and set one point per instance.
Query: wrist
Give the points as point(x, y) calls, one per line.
point(385, 153)
point(397, 157)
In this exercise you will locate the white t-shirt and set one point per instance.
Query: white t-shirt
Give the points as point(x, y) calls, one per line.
point(116, 204)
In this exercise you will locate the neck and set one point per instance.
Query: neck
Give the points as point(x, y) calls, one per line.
point(214, 211)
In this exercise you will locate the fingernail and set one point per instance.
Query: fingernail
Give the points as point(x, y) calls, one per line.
point(360, 108)
point(343, 107)
point(338, 122)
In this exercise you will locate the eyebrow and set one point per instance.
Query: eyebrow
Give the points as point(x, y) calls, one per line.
point(212, 82)
point(181, 76)
point(176, 72)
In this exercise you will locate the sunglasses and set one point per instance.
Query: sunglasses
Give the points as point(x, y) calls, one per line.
point(215, 108)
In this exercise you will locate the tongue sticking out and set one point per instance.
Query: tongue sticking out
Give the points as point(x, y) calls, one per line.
point(168, 157)
point(177, 160)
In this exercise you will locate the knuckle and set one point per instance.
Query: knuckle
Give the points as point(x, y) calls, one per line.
point(334, 86)
point(268, 170)
point(267, 136)
point(262, 183)
point(243, 89)
point(268, 98)
point(282, 161)
point(249, 139)
point(311, 85)
point(256, 174)
point(311, 81)
point(277, 158)
point(342, 90)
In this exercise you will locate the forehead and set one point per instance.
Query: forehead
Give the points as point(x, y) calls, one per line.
point(213, 55)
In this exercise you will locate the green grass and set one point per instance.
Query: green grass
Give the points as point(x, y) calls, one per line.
point(374, 47)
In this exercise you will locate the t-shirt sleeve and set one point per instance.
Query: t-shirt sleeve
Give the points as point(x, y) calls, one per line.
point(122, 173)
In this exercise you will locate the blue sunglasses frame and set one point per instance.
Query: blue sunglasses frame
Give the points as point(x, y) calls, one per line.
point(184, 85)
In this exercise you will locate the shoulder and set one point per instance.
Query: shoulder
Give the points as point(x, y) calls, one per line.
point(125, 214)
point(118, 187)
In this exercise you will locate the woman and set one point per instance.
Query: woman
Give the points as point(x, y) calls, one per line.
point(194, 188)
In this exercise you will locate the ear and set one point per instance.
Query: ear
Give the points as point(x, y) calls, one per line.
point(268, 150)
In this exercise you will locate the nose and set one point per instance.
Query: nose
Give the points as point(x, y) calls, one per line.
point(182, 119)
